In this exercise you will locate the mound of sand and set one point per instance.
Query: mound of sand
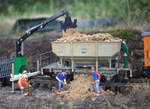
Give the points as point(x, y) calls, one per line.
point(81, 88)
point(71, 35)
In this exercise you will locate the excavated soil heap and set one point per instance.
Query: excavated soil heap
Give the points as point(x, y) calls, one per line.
point(81, 88)
point(71, 35)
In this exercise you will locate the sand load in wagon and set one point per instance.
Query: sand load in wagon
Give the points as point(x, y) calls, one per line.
point(75, 44)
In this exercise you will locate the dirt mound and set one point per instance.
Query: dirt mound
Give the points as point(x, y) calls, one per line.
point(81, 88)
point(71, 35)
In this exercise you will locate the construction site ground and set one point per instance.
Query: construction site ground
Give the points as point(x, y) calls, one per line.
point(43, 98)
point(137, 97)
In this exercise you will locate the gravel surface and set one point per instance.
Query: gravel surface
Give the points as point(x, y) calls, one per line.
point(138, 98)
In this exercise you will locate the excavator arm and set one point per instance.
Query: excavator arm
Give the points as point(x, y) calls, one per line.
point(19, 61)
point(67, 24)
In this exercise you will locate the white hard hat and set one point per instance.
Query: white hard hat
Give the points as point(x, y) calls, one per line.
point(124, 42)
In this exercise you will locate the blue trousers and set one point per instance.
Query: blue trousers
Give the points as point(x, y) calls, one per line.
point(96, 87)
point(59, 86)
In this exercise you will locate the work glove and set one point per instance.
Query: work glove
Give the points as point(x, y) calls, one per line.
point(96, 80)
point(30, 86)
point(65, 83)
point(59, 80)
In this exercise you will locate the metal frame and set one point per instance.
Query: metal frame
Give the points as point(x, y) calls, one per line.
point(5, 67)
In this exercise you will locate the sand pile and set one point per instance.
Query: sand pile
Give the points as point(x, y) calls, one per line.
point(80, 88)
point(71, 35)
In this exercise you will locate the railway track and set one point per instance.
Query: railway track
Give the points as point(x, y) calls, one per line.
point(126, 87)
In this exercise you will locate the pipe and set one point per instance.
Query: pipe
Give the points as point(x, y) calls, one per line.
point(16, 77)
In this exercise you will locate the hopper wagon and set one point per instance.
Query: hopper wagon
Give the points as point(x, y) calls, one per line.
point(78, 57)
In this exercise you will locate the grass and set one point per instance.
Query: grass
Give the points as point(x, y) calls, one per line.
point(128, 12)
point(88, 9)
point(5, 26)
point(129, 34)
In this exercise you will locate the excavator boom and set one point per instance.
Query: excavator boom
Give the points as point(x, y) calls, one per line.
point(67, 24)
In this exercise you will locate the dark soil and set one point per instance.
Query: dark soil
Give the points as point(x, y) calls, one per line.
point(34, 45)
point(45, 99)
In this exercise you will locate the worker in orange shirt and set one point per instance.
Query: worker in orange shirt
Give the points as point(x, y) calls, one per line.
point(24, 84)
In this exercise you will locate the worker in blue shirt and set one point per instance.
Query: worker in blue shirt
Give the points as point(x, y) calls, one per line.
point(96, 78)
point(61, 77)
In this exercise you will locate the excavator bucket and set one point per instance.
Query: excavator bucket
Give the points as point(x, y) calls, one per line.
point(68, 23)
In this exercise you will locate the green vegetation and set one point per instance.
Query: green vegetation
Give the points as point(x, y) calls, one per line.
point(128, 34)
point(85, 9)
point(132, 14)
